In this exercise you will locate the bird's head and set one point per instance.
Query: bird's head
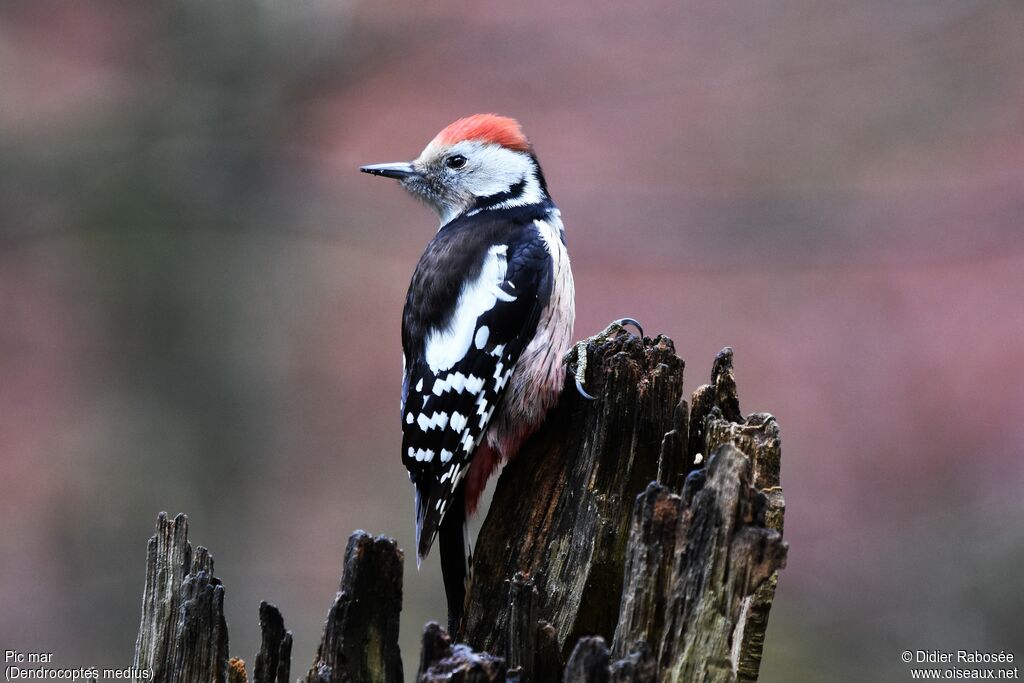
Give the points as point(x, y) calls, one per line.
point(479, 162)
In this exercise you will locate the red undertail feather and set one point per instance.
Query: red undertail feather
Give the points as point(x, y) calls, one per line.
point(500, 130)
point(485, 461)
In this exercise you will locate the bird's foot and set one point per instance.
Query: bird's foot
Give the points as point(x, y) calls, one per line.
point(621, 324)
point(577, 355)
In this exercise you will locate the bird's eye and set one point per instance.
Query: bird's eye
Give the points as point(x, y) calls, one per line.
point(455, 161)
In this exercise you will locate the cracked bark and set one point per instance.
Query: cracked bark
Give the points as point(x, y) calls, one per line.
point(627, 561)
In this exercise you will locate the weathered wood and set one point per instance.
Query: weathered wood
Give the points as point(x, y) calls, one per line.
point(672, 463)
point(758, 437)
point(435, 646)
point(724, 554)
point(720, 394)
point(639, 666)
point(648, 568)
point(521, 639)
point(273, 661)
point(582, 470)
point(201, 634)
point(702, 566)
point(589, 661)
point(680, 578)
point(547, 662)
point(441, 661)
point(182, 635)
point(168, 558)
point(360, 639)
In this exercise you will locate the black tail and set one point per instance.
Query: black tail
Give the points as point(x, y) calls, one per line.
point(451, 538)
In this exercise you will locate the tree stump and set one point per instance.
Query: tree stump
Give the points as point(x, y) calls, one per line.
point(183, 635)
point(559, 519)
point(635, 538)
point(360, 641)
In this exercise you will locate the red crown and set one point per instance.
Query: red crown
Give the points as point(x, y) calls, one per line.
point(492, 128)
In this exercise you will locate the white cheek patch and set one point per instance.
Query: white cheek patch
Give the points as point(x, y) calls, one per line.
point(492, 169)
point(446, 347)
point(498, 170)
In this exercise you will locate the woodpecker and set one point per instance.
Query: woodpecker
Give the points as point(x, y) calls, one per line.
point(487, 319)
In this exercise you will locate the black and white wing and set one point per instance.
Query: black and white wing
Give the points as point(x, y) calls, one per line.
point(473, 306)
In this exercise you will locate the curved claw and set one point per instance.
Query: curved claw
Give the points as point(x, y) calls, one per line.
point(583, 392)
point(622, 322)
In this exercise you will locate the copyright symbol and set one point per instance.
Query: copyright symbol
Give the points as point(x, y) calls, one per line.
point(907, 656)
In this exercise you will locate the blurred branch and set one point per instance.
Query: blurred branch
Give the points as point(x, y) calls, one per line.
point(626, 537)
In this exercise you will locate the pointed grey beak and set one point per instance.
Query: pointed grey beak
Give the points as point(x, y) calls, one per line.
point(397, 170)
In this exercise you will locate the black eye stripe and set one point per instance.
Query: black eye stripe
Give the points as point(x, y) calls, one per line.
point(455, 161)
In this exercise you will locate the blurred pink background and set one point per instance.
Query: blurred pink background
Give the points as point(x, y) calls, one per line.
point(201, 296)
